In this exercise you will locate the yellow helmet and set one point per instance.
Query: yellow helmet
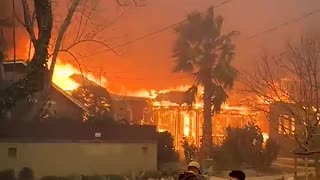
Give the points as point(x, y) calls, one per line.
point(194, 164)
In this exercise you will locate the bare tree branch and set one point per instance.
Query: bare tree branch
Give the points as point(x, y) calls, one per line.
point(62, 31)
point(86, 21)
point(28, 21)
point(77, 61)
point(80, 38)
point(94, 41)
point(291, 87)
point(80, 24)
point(137, 3)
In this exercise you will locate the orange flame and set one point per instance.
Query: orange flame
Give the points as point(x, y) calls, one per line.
point(186, 124)
point(61, 76)
point(265, 137)
point(151, 93)
point(63, 72)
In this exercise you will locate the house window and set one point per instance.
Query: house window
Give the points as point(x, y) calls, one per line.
point(12, 152)
point(144, 149)
point(286, 125)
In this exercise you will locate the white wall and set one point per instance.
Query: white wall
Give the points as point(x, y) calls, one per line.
point(80, 158)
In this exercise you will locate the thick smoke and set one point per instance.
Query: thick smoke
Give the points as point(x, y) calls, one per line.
point(6, 17)
point(9, 20)
point(6, 9)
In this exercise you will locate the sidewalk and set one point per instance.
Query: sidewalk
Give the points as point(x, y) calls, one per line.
point(276, 177)
point(258, 178)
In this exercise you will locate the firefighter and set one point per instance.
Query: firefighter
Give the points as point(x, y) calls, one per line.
point(193, 173)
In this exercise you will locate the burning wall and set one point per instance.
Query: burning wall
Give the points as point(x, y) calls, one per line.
point(181, 121)
point(169, 112)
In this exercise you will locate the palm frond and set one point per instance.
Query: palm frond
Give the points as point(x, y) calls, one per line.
point(219, 97)
point(191, 95)
point(183, 55)
point(225, 75)
point(202, 49)
point(218, 22)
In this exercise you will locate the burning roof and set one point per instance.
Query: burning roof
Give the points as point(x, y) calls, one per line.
point(178, 97)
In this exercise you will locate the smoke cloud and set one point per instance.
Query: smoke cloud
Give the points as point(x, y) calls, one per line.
point(9, 20)
point(6, 11)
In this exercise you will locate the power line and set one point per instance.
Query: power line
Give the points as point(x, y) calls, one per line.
point(291, 21)
point(155, 32)
point(294, 20)
point(110, 77)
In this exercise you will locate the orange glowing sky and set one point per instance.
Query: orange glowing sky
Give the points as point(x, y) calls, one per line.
point(147, 64)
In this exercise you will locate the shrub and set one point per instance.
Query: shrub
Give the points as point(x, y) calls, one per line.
point(7, 174)
point(56, 178)
point(190, 149)
point(97, 177)
point(152, 174)
point(50, 178)
point(166, 150)
point(270, 153)
point(115, 177)
point(26, 174)
point(244, 146)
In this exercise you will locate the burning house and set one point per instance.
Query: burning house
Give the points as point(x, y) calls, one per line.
point(168, 111)
point(165, 109)
point(61, 105)
point(183, 121)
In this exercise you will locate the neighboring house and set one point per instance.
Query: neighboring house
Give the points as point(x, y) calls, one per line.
point(128, 108)
point(61, 105)
point(131, 109)
point(53, 149)
point(279, 118)
point(284, 125)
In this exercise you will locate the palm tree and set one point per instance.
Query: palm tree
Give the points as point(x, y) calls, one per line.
point(203, 51)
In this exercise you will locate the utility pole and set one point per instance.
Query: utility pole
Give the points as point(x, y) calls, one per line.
point(306, 159)
point(14, 35)
point(100, 75)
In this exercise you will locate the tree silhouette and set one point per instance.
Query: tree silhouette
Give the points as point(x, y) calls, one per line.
point(290, 85)
point(166, 151)
point(203, 51)
point(98, 107)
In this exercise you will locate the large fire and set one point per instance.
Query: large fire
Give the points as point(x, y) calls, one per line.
point(61, 76)
point(63, 72)
point(186, 122)
point(190, 119)
point(151, 93)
